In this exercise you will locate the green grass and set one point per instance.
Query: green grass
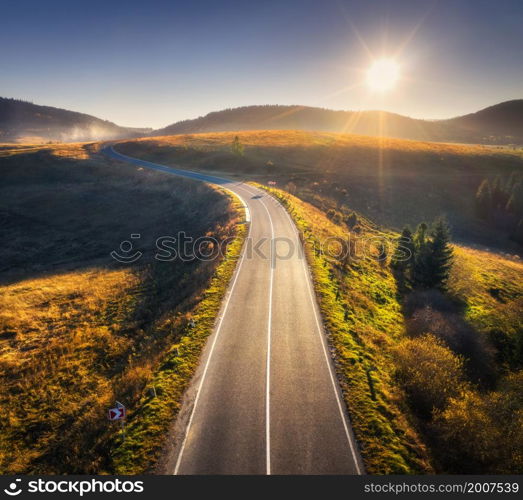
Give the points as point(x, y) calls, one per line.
point(490, 289)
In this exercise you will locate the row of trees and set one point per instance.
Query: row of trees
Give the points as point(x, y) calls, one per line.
point(423, 259)
point(500, 203)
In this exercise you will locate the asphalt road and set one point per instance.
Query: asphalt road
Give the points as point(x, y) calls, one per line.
point(265, 399)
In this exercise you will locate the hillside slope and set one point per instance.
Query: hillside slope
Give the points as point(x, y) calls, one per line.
point(502, 120)
point(79, 329)
point(499, 124)
point(392, 181)
point(20, 120)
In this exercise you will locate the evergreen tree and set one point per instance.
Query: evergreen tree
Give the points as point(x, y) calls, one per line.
point(420, 236)
point(419, 273)
point(237, 146)
point(433, 256)
point(484, 200)
point(441, 255)
point(421, 269)
point(404, 253)
point(403, 257)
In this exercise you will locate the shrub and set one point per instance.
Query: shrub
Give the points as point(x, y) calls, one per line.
point(483, 433)
point(429, 371)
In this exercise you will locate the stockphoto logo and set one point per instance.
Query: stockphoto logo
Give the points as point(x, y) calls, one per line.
point(14, 488)
point(80, 487)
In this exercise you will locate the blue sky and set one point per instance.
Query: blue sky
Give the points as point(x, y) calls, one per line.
point(153, 63)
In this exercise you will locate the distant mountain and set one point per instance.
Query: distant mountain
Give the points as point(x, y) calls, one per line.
point(20, 120)
point(499, 124)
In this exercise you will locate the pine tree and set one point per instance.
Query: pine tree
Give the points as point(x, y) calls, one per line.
point(420, 236)
point(421, 269)
point(402, 259)
point(441, 255)
point(433, 256)
point(419, 273)
point(484, 200)
point(237, 146)
point(403, 255)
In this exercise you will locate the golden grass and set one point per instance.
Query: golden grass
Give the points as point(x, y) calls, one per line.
point(491, 287)
point(391, 181)
point(61, 335)
point(76, 151)
point(74, 335)
point(308, 140)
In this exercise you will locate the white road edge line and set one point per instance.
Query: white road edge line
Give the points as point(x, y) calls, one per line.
point(269, 341)
point(319, 329)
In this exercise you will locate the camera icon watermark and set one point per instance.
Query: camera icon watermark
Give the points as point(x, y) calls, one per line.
point(124, 254)
point(14, 488)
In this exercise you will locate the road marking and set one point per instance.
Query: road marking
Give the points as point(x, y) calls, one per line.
point(245, 207)
point(269, 340)
point(218, 328)
point(268, 362)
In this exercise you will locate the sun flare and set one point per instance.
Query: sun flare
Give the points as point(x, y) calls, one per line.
point(383, 75)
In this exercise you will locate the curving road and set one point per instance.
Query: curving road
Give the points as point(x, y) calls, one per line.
point(265, 399)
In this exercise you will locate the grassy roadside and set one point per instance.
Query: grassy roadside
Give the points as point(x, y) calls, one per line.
point(79, 330)
point(150, 422)
point(369, 322)
point(363, 320)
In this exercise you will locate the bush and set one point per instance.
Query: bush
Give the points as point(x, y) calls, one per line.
point(334, 216)
point(429, 371)
point(483, 433)
point(430, 311)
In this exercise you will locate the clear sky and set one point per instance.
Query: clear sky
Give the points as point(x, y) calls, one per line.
point(151, 63)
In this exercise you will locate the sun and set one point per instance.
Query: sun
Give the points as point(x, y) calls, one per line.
point(383, 75)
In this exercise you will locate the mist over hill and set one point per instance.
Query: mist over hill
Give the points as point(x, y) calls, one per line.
point(498, 124)
point(25, 121)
